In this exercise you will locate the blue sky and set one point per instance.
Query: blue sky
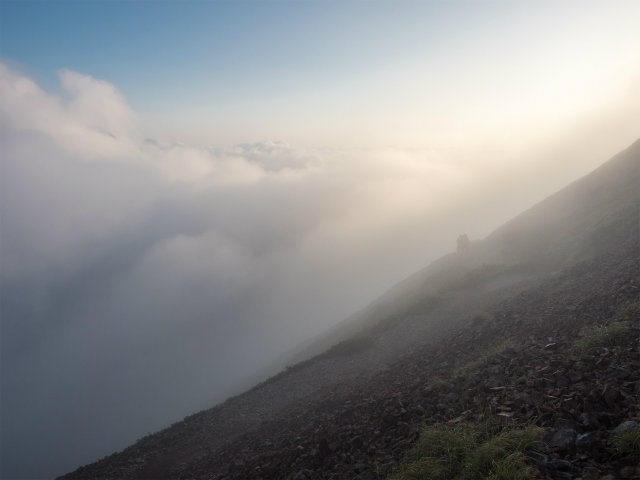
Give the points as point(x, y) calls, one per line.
point(232, 46)
point(226, 71)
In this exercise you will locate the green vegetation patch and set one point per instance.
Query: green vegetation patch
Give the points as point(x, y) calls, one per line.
point(469, 452)
point(498, 349)
point(627, 444)
point(492, 353)
point(502, 456)
point(435, 383)
point(439, 453)
point(605, 336)
point(467, 368)
point(629, 311)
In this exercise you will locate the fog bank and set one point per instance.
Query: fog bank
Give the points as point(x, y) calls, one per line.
point(142, 279)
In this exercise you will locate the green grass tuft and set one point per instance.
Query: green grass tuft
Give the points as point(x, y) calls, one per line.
point(435, 383)
point(601, 336)
point(511, 467)
point(469, 452)
point(627, 444)
point(501, 454)
point(474, 365)
point(468, 368)
point(439, 453)
point(630, 311)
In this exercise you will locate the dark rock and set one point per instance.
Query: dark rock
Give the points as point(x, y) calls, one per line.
point(611, 396)
point(359, 467)
point(452, 397)
point(590, 473)
point(357, 442)
point(562, 381)
point(587, 420)
point(565, 422)
point(588, 442)
point(562, 440)
point(559, 465)
point(323, 449)
point(627, 472)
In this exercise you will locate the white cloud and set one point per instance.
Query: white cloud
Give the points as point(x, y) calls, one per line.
point(98, 104)
point(164, 267)
point(94, 122)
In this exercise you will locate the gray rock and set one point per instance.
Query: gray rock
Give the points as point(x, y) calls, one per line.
point(627, 426)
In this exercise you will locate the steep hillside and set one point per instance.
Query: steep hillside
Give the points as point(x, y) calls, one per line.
point(589, 217)
point(596, 213)
point(492, 330)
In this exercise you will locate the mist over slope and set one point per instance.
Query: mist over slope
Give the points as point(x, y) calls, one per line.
point(175, 272)
point(561, 249)
point(598, 212)
point(195, 195)
point(182, 274)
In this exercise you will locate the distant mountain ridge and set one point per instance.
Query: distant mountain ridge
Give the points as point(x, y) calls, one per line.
point(592, 225)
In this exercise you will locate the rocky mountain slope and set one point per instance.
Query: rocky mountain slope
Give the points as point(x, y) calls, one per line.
point(537, 323)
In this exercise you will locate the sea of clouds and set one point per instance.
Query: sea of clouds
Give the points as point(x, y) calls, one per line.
point(142, 280)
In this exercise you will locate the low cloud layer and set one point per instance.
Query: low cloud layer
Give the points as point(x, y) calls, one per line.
point(142, 280)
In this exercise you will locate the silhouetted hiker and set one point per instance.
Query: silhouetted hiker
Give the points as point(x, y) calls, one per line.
point(463, 242)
